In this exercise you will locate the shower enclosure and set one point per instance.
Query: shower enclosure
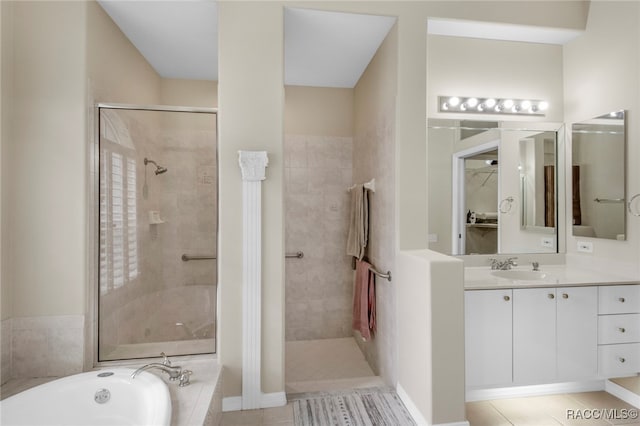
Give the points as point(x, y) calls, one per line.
point(156, 223)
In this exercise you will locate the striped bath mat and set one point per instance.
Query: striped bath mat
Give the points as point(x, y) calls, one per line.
point(357, 407)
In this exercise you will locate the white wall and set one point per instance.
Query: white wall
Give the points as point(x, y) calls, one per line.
point(601, 69)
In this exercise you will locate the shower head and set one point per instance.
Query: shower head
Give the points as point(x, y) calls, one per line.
point(159, 169)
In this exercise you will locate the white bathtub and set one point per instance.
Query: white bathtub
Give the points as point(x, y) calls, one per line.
point(95, 398)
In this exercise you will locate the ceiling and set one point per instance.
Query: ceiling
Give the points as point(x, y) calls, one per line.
point(322, 49)
point(178, 38)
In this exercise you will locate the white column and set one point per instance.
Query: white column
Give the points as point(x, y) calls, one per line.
point(253, 165)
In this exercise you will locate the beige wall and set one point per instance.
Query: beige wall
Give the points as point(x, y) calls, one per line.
point(6, 52)
point(431, 341)
point(46, 207)
point(491, 68)
point(374, 158)
point(318, 111)
point(195, 93)
point(117, 72)
point(251, 118)
point(601, 69)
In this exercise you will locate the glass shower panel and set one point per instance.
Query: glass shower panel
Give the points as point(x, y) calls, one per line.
point(157, 233)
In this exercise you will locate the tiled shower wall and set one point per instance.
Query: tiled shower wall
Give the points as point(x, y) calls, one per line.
point(318, 172)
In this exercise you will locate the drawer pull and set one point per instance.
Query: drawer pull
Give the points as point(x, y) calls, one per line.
point(622, 360)
point(565, 296)
point(507, 298)
point(621, 299)
point(622, 330)
point(551, 296)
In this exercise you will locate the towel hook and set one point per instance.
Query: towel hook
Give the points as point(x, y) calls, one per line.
point(635, 213)
point(502, 206)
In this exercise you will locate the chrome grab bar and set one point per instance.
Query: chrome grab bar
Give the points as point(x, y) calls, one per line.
point(186, 257)
point(609, 200)
point(298, 255)
point(386, 276)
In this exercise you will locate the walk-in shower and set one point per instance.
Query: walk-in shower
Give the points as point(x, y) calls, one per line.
point(149, 299)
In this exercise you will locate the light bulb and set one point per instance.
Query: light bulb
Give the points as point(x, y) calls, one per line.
point(454, 101)
point(472, 102)
point(525, 104)
point(490, 103)
point(507, 103)
point(543, 105)
point(463, 107)
point(445, 106)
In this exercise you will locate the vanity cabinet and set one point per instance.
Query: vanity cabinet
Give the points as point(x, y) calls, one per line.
point(554, 334)
point(488, 337)
point(619, 330)
point(534, 335)
point(577, 339)
point(530, 336)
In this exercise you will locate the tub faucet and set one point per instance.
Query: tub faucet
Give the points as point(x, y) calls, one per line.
point(174, 371)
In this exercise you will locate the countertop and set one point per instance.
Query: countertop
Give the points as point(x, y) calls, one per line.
point(480, 278)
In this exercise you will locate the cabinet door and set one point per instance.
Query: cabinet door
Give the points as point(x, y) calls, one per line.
point(577, 328)
point(534, 335)
point(488, 337)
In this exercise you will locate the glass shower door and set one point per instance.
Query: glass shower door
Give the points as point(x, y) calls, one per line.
point(157, 233)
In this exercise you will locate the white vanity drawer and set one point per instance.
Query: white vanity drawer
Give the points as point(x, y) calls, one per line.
point(618, 329)
point(619, 299)
point(618, 360)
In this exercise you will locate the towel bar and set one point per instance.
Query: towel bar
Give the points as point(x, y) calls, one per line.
point(380, 274)
point(609, 200)
point(298, 255)
point(186, 257)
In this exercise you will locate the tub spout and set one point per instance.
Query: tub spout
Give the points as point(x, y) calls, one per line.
point(174, 371)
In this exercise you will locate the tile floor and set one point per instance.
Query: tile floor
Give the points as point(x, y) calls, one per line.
point(312, 366)
point(327, 364)
point(551, 410)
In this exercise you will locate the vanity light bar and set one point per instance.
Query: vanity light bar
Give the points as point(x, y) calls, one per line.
point(473, 105)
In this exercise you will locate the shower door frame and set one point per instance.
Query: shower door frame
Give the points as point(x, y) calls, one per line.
point(91, 353)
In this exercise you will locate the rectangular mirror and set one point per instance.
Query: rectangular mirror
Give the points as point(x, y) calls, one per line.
point(599, 177)
point(538, 182)
point(493, 186)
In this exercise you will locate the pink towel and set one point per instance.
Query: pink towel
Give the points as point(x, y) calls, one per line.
point(364, 300)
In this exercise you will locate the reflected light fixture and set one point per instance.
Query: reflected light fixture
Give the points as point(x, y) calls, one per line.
point(506, 106)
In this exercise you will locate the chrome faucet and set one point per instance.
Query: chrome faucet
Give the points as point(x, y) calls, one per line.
point(175, 372)
point(504, 265)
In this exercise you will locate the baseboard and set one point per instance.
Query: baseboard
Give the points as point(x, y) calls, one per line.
point(268, 400)
point(232, 403)
point(534, 390)
point(465, 423)
point(624, 394)
point(411, 407)
point(275, 399)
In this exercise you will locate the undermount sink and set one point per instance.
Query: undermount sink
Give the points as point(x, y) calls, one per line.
point(519, 275)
